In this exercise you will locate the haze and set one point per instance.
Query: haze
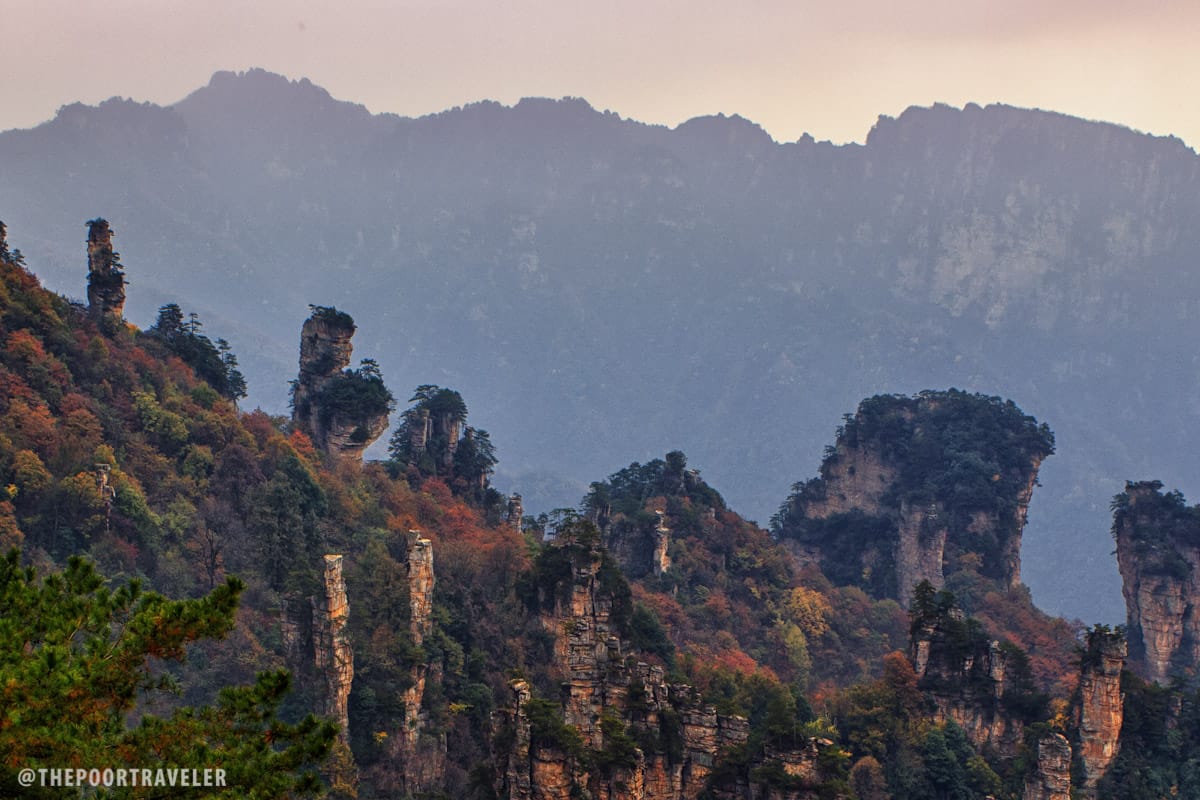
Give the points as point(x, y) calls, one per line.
point(828, 69)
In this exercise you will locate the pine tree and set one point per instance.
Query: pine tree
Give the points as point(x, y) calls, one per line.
point(76, 657)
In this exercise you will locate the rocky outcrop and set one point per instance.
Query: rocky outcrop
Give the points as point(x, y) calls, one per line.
point(106, 281)
point(920, 547)
point(607, 692)
point(1051, 775)
point(333, 658)
point(419, 758)
point(662, 545)
point(316, 646)
point(515, 512)
point(856, 479)
point(917, 487)
point(1101, 706)
point(967, 685)
point(341, 410)
point(426, 427)
point(1158, 553)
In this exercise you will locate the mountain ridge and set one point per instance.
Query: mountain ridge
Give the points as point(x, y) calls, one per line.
point(525, 252)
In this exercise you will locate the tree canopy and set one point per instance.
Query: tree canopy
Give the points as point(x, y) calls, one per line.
point(77, 657)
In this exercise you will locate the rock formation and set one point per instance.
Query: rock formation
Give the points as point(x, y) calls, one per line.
point(967, 682)
point(341, 410)
point(608, 692)
point(515, 512)
point(1158, 553)
point(333, 658)
point(316, 646)
point(419, 758)
point(106, 281)
point(426, 427)
point(916, 488)
point(662, 545)
point(1051, 776)
point(1101, 706)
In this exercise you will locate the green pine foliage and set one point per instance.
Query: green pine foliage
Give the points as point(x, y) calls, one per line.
point(77, 656)
point(1160, 524)
point(356, 396)
point(215, 363)
point(466, 463)
point(962, 454)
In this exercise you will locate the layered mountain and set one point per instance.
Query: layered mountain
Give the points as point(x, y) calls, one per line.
point(631, 286)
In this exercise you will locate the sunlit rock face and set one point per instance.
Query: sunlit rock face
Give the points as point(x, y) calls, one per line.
point(1101, 707)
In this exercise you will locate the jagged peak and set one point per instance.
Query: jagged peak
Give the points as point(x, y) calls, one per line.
point(721, 129)
point(942, 119)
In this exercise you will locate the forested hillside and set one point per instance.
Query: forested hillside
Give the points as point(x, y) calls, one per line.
point(193, 584)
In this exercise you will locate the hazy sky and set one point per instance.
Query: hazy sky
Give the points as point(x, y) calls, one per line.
point(827, 68)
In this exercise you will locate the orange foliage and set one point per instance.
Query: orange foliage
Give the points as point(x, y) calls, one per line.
point(303, 445)
point(13, 387)
point(31, 426)
point(1049, 641)
point(259, 424)
point(10, 534)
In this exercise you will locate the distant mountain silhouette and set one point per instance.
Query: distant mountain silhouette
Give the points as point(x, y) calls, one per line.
point(605, 290)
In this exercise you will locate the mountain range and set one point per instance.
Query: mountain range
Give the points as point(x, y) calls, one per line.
point(602, 290)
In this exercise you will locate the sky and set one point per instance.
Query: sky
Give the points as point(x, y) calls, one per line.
point(829, 69)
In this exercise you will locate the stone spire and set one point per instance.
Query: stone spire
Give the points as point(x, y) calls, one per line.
point(337, 419)
point(106, 281)
point(516, 512)
point(333, 657)
point(1101, 709)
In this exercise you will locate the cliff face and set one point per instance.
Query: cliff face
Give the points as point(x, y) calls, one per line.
point(1158, 553)
point(333, 657)
point(330, 403)
point(625, 732)
point(1051, 777)
point(106, 281)
point(967, 685)
point(420, 759)
point(916, 488)
point(1101, 706)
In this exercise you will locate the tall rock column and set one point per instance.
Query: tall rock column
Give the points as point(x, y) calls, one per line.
point(1159, 559)
point(331, 644)
point(515, 513)
point(340, 410)
point(421, 761)
point(662, 544)
point(1101, 708)
point(106, 281)
point(1051, 776)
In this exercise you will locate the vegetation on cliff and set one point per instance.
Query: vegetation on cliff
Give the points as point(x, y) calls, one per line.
point(212, 362)
point(654, 628)
point(434, 440)
point(1160, 525)
point(964, 462)
point(112, 449)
